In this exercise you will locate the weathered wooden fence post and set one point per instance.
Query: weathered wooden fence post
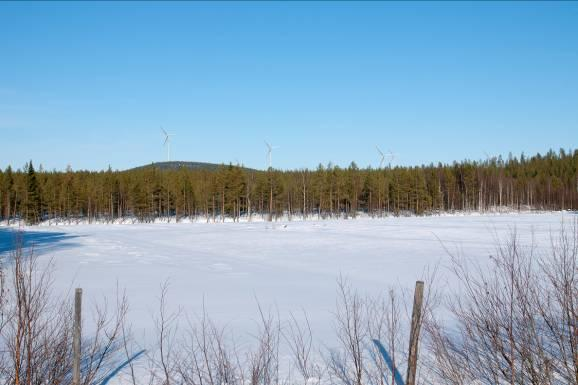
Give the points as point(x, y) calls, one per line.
point(414, 333)
point(76, 334)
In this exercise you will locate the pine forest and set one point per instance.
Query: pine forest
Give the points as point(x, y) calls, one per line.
point(540, 182)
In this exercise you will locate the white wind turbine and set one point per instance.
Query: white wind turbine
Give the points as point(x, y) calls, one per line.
point(167, 143)
point(391, 157)
point(270, 152)
point(382, 157)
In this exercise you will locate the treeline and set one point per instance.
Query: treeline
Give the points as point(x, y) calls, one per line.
point(545, 182)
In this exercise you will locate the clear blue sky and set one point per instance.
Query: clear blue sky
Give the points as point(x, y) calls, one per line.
point(89, 84)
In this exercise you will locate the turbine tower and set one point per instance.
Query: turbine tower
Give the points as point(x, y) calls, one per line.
point(270, 152)
point(167, 143)
point(391, 157)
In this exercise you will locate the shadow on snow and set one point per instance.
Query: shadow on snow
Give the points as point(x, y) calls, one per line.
point(40, 241)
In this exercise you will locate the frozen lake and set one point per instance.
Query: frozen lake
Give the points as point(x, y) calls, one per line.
point(286, 266)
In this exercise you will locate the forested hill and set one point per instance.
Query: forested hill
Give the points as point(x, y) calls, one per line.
point(547, 182)
point(176, 165)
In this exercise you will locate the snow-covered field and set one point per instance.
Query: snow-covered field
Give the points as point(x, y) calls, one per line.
point(285, 266)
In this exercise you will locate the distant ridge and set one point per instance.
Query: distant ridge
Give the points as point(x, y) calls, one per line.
point(177, 165)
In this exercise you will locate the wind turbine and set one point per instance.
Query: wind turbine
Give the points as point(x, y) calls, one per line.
point(389, 155)
point(382, 157)
point(270, 152)
point(167, 143)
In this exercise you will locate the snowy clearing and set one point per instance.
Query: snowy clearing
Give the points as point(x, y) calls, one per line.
point(285, 266)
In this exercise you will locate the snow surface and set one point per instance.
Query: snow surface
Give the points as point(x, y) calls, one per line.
point(285, 266)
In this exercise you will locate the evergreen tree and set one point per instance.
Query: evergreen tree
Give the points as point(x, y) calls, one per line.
point(33, 202)
point(7, 195)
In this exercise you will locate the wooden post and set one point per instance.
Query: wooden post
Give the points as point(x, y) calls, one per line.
point(76, 337)
point(414, 333)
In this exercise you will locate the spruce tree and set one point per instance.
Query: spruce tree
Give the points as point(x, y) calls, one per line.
point(7, 187)
point(33, 203)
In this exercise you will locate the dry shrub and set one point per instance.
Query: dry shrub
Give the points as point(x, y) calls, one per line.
point(36, 327)
point(515, 323)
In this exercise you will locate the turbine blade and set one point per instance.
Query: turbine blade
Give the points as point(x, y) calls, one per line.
point(164, 132)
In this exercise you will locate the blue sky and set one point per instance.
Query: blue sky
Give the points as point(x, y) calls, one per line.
point(89, 84)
